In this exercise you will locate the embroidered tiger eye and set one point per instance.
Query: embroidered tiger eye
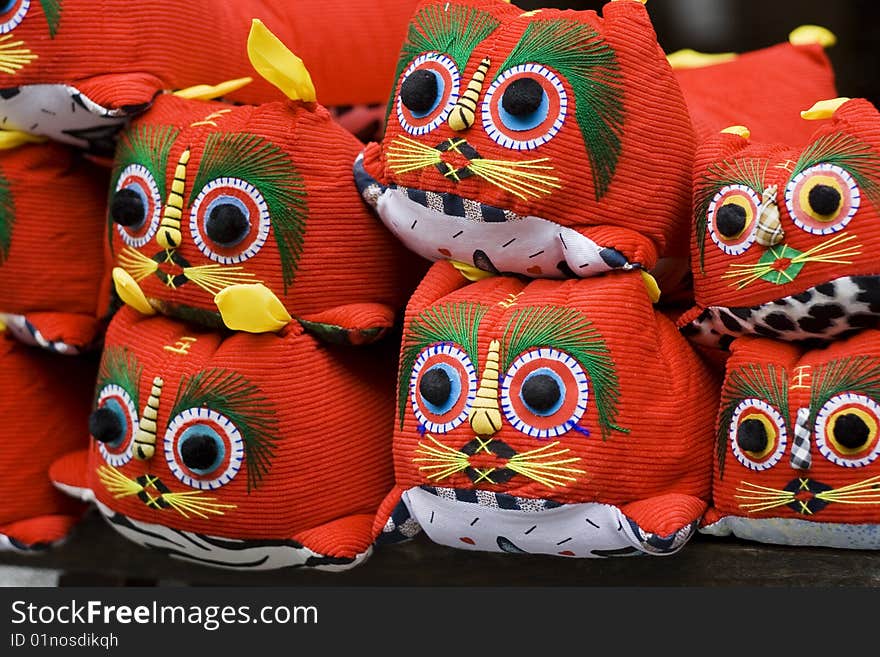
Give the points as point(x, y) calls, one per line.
point(851, 431)
point(226, 225)
point(730, 220)
point(752, 436)
point(419, 91)
point(199, 451)
point(435, 386)
point(127, 208)
point(824, 199)
point(105, 426)
point(523, 97)
point(540, 392)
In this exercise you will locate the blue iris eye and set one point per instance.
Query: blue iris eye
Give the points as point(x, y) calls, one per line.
point(524, 105)
point(440, 388)
point(421, 92)
point(6, 5)
point(543, 392)
point(201, 449)
point(116, 408)
point(227, 221)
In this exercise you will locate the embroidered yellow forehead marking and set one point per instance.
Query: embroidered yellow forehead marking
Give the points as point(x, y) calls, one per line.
point(209, 120)
point(510, 300)
point(802, 376)
point(788, 165)
point(182, 346)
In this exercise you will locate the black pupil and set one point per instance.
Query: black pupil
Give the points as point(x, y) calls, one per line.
point(541, 393)
point(436, 387)
point(199, 451)
point(752, 436)
point(824, 199)
point(105, 426)
point(226, 225)
point(127, 208)
point(851, 431)
point(730, 220)
point(522, 97)
point(419, 91)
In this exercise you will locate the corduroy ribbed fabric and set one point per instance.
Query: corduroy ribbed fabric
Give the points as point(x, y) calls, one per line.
point(764, 90)
point(44, 403)
point(51, 247)
point(309, 236)
point(631, 427)
point(823, 407)
point(305, 431)
point(120, 54)
point(774, 289)
point(634, 201)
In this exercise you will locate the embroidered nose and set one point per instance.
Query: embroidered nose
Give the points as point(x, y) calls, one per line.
point(145, 437)
point(463, 114)
point(485, 415)
point(168, 235)
point(800, 447)
point(769, 231)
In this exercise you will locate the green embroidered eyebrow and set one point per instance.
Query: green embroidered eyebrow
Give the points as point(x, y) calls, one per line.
point(856, 374)
point(119, 366)
point(570, 331)
point(52, 10)
point(265, 166)
point(230, 394)
point(749, 173)
point(452, 29)
point(148, 146)
point(847, 152)
point(582, 56)
point(458, 323)
point(768, 384)
point(7, 218)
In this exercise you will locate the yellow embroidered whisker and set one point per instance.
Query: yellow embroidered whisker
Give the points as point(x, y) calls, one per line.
point(117, 483)
point(192, 502)
point(13, 56)
point(754, 508)
point(446, 448)
point(137, 264)
point(848, 500)
point(759, 487)
point(750, 278)
point(870, 482)
point(403, 143)
point(837, 240)
point(448, 472)
point(215, 278)
point(764, 496)
point(541, 477)
point(526, 181)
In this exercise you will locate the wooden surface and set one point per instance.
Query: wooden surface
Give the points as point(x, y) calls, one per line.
point(96, 555)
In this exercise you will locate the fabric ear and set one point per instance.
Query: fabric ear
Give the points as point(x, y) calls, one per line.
point(345, 538)
point(354, 324)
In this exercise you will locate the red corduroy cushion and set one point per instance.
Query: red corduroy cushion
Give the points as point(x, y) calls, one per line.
point(51, 255)
point(44, 403)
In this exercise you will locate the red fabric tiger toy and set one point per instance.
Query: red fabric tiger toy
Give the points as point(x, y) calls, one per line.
point(548, 143)
point(52, 203)
point(245, 451)
point(75, 70)
point(243, 216)
point(764, 89)
point(44, 404)
point(797, 444)
point(553, 417)
point(785, 237)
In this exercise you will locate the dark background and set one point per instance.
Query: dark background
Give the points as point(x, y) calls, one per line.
point(742, 25)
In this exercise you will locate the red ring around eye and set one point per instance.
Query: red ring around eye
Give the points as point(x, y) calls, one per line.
point(11, 16)
point(449, 406)
point(241, 199)
point(448, 80)
point(558, 380)
point(839, 182)
point(775, 434)
point(531, 130)
point(847, 430)
point(727, 199)
point(222, 447)
point(115, 398)
point(138, 179)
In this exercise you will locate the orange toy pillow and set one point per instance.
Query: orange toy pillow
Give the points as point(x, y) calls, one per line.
point(51, 254)
point(551, 144)
point(798, 436)
point(785, 238)
point(566, 418)
point(249, 451)
point(44, 403)
point(243, 216)
point(763, 89)
point(76, 70)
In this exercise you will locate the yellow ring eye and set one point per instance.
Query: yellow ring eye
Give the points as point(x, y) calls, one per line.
point(847, 429)
point(757, 434)
point(765, 427)
point(731, 218)
point(821, 198)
